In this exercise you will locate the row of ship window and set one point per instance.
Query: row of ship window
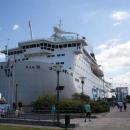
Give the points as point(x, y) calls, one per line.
point(83, 60)
point(23, 59)
point(51, 46)
point(21, 51)
point(32, 67)
point(58, 55)
point(80, 67)
point(16, 52)
point(2, 67)
point(44, 46)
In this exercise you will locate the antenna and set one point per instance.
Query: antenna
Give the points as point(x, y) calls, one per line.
point(60, 23)
point(30, 29)
point(6, 49)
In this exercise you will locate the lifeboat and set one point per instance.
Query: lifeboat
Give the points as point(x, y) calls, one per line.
point(96, 70)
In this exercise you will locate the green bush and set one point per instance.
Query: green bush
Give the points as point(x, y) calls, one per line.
point(128, 98)
point(44, 101)
point(80, 96)
point(99, 106)
point(70, 105)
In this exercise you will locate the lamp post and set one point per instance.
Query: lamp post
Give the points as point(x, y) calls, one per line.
point(82, 82)
point(57, 68)
point(16, 95)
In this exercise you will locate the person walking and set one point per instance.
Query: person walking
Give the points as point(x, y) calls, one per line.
point(117, 105)
point(53, 111)
point(87, 109)
point(124, 105)
point(120, 103)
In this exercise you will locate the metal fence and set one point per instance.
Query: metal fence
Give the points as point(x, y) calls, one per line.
point(44, 114)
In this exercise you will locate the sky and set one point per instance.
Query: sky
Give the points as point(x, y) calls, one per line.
point(104, 23)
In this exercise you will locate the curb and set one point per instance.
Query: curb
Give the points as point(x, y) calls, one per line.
point(36, 122)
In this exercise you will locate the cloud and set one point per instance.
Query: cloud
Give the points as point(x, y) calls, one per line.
point(122, 79)
point(117, 23)
point(108, 44)
point(120, 15)
point(15, 27)
point(114, 55)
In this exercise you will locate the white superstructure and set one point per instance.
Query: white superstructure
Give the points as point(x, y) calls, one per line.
point(28, 72)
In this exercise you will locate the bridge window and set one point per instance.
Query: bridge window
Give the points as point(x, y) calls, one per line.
point(27, 46)
point(69, 45)
point(74, 44)
point(57, 46)
point(78, 44)
point(60, 46)
point(49, 45)
point(45, 44)
point(38, 45)
point(41, 44)
point(1, 67)
point(65, 45)
point(53, 46)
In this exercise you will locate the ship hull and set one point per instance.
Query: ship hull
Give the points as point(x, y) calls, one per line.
point(31, 79)
point(34, 79)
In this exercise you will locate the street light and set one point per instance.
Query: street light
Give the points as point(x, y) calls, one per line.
point(57, 68)
point(82, 82)
point(16, 95)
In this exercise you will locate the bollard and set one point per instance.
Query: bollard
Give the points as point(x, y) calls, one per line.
point(67, 121)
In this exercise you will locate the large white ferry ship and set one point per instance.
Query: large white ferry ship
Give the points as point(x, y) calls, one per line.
point(28, 70)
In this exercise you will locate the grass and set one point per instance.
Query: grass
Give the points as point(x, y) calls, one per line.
point(7, 127)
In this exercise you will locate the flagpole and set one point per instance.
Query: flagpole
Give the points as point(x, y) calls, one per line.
point(13, 79)
point(8, 70)
point(30, 29)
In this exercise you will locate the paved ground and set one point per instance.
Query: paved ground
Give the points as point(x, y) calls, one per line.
point(115, 120)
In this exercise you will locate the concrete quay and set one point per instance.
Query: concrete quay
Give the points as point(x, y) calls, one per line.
point(115, 120)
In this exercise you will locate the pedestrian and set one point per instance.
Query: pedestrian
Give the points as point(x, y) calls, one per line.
point(2, 113)
point(17, 113)
point(120, 103)
point(117, 105)
point(87, 109)
point(20, 105)
point(124, 105)
point(53, 111)
point(14, 106)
